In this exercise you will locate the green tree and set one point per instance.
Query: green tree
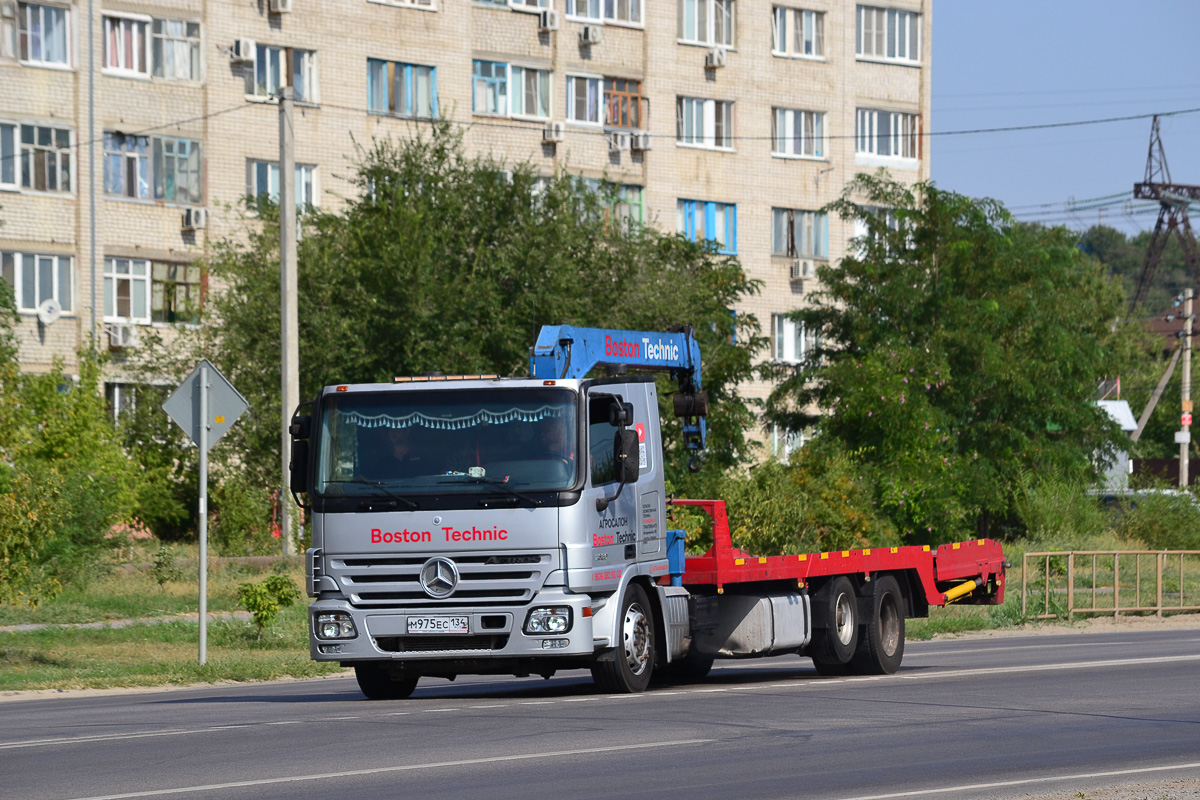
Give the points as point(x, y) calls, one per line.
point(957, 349)
point(444, 262)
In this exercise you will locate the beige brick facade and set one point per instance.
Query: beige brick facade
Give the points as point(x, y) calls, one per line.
point(217, 108)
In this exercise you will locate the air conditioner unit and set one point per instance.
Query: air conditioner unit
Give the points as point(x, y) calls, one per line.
point(195, 219)
point(121, 337)
point(714, 59)
point(243, 50)
point(802, 268)
point(591, 34)
point(618, 141)
point(548, 20)
point(554, 132)
point(639, 140)
point(8, 9)
point(280, 6)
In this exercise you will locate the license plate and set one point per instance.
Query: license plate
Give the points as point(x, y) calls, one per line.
point(438, 625)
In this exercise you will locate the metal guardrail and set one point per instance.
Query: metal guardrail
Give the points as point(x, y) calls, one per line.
point(1109, 582)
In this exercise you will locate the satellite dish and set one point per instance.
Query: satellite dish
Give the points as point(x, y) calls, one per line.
point(49, 311)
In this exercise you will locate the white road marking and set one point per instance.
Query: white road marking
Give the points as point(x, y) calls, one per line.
point(1117, 773)
point(802, 683)
point(402, 768)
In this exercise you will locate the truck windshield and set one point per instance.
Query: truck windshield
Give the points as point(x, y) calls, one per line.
point(447, 442)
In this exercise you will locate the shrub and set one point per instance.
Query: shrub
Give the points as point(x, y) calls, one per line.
point(242, 523)
point(1059, 514)
point(264, 600)
point(1161, 520)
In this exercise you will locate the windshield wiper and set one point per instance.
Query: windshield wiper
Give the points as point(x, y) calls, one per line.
point(499, 485)
point(384, 489)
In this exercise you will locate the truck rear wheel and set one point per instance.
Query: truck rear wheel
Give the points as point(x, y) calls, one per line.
point(377, 683)
point(633, 663)
point(881, 646)
point(836, 634)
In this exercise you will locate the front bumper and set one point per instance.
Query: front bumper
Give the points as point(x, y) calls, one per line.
point(494, 632)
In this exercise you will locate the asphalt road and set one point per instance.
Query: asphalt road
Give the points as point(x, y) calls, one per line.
point(968, 718)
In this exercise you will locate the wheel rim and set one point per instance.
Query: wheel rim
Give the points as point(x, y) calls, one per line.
point(843, 618)
point(636, 630)
point(889, 626)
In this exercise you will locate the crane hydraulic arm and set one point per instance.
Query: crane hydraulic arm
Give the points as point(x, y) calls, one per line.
point(565, 351)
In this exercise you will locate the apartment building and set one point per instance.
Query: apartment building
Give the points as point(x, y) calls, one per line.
point(130, 129)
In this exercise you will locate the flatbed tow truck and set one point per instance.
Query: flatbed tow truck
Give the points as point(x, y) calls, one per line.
point(477, 524)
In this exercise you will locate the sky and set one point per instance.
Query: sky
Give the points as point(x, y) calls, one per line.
point(1038, 62)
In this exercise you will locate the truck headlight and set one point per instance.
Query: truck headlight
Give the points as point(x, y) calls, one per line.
point(335, 625)
point(550, 619)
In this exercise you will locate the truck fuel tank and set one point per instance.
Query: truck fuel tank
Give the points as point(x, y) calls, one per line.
point(751, 625)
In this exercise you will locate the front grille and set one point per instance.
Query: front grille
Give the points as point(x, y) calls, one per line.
point(441, 644)
point(385, 581)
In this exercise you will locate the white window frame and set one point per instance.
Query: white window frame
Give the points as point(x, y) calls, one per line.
point(518, 76)
point(903, 133)
point(10, 156)
point(711, 23)
point(135, 27)
point(419, 5)
point(811, 125)
point(785, 442)
point(25, 23)
point(530, 6)
point(134, 275)
point(793, 30)
point(64, 163)
point(121, 398)
point(633, 8)
point(595, 90)
point(789, 343)
point(592, 10)
point(274, 60)
point(889, 35)
point(17, 267)
point(305, 182)
point(692, 113)
point(193, 45)
point(8, 38)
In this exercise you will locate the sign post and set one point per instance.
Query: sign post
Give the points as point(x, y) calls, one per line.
point(205, 405)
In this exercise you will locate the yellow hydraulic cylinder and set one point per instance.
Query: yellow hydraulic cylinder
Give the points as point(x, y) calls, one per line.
point(961, 590)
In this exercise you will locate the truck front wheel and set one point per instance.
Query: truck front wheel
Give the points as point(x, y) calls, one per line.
point(881, 647)
point(377, 683)
point(633, 662)
point(836, 632)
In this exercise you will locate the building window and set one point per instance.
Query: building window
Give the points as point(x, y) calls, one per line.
point(531, 4)
point(8, 156)
point(887, 34)
point(628, 11)
point(702, 221)
point(36, 277)
point(799, 234)
point(45, 158)
point(276, 67)
point(8, 37)
point(175, 49)
point(176, 292)
point(489, 88)
point(121, 398)
point(703, 123)
point(797, 33)
point(585, 9)
point(583, 99)
point(176, 165)
point(262, 179)
point(706, 22)
point(785, 442)
point(891, 134)
point(628, 208)
point(125, 46)
point(798, 133)
point(126, 165)
point(127, 290)
point(44, 34)
point(401, 90)
point(623, 104)
point(530, 92)
point(790, 343)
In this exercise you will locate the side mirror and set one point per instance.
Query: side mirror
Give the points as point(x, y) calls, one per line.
point(626, 455)
point(301, 427)
point(298, 468)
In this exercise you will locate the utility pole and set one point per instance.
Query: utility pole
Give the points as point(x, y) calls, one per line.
point(288, 315)
point(1185, 437)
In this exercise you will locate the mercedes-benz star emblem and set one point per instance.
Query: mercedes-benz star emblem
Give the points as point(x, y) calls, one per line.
point(439, 577)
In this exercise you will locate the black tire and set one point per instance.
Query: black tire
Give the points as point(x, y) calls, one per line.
point(830, 669)
point(377, 683)
point(835, 634)
point(691, 668)
point(632, 665)
point(881, 643)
